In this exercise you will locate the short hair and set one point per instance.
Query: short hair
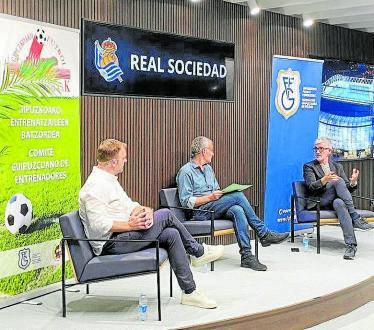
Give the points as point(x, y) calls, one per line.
point(109, 149)
point(324, 140)
point(198, 144)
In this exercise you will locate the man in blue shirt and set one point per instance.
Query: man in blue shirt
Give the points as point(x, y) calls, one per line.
point(198, 188)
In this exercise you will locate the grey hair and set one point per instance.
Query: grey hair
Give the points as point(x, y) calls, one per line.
point(324, 140)
point(198, 144)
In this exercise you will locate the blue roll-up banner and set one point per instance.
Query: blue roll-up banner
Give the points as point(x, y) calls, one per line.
point(293, 127)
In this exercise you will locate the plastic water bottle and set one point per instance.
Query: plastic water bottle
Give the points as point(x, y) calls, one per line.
point(306, 242)
point(204, 268)
point(143, 307)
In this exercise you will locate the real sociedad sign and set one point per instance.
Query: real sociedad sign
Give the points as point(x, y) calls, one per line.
point(125, 61)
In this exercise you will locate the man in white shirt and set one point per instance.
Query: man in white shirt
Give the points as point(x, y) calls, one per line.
point(107, 212)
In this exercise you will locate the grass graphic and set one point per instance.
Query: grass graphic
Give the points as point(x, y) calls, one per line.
point(32, 79)
point(49, 198)
point(14, 285)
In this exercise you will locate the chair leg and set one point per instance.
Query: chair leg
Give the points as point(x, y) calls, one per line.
point(318, 228)
point(292, 219)
point(171, 281)
point(213, 243)
point(212, 237)
point(158, 293)
point(318, 238)
point(256, 246)
point(87, 289)
point(63, 279)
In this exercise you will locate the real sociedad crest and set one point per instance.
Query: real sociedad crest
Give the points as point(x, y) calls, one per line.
point(287, 99)
point(106, 60)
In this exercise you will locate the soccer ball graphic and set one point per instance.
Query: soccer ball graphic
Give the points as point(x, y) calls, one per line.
point(18, 214)
point(41, 36)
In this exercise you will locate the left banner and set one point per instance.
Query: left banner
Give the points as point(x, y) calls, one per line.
point(39, 150)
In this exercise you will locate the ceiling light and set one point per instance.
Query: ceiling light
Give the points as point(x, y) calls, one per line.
point(308, 22)
point(255, 11)
point(254, 8)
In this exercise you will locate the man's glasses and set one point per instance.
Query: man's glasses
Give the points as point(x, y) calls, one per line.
point(320, 149)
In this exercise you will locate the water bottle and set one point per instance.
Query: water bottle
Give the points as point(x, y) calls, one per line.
point(143, 307)
point(306, 242)
point(204, 268)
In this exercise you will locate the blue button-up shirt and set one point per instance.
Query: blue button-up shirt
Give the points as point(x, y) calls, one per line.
point(193, 182)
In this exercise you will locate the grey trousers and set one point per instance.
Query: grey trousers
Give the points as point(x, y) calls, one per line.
point(173, 236)
point(339, 197)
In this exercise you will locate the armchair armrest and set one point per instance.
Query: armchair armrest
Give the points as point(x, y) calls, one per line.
point(308, 199)
point(205, 211)
point(65, 239)
point(186, 208)
point(370, 200)
point(364, 198)
point(107, 240)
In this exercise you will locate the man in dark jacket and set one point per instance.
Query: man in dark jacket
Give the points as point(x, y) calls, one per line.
point(326, 179)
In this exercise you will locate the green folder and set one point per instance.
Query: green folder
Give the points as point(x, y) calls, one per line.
point(236, 187)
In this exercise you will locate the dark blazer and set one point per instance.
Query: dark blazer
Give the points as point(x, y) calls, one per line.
point(313, 174)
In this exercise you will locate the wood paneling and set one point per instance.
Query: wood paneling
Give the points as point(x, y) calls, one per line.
point(159, 131)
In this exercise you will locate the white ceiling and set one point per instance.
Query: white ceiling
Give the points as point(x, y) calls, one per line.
point(352, 14)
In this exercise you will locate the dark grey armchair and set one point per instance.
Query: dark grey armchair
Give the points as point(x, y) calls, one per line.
point(89, 268)
point(318, 217)
point(198, 228)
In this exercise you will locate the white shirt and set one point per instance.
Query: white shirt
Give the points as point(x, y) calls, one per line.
point(102, 200)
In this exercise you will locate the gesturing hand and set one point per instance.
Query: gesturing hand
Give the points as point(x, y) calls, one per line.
point(331, 176)
point(354, 177)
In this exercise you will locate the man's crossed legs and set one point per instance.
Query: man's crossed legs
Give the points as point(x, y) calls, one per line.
point(236, 207)
point(175, 238)
point(339, 197)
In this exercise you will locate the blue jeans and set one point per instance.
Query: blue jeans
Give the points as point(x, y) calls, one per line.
point(236, 207)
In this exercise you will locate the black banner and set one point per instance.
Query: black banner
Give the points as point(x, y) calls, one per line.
point(124, 61)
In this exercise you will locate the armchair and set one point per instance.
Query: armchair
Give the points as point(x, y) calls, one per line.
point(212, 228)
point(318, 217)
point(89, 268)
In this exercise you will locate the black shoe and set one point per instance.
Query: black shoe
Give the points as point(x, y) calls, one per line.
point(273, 238)
point(250, 261)
point(350, 252)
point(362, 224)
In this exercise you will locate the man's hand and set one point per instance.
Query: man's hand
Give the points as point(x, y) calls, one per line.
point(354, 177)
point(149, 217)
point(137, 221)
point(331, 176)
point(141, 218)
point(215, 195)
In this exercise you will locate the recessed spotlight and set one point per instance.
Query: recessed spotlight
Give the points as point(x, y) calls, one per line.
point(308, 22)
point(255, 11)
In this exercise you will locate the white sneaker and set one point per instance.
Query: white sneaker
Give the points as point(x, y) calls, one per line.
point(198, 299)
point(211, 253)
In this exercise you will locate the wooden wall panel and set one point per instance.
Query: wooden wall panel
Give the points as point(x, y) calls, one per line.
point(159, 131)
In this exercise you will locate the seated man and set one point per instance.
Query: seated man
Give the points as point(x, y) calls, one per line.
point(326, 179)
point(107, 212)
point(198, 188)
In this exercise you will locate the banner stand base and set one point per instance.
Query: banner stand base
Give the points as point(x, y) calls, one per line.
point(31, 302)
